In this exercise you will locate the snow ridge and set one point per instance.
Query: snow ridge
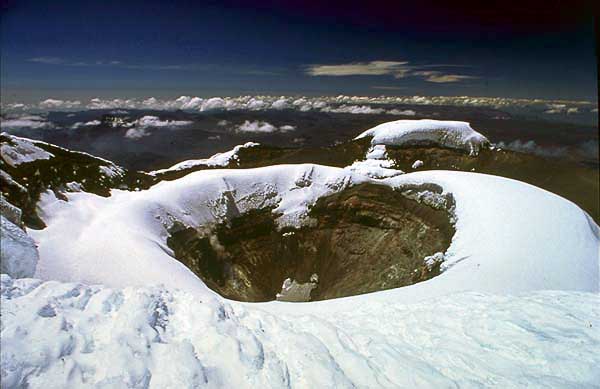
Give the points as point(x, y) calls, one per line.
point(219, 159)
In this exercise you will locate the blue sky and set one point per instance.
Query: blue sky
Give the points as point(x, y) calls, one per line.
point(80, 49)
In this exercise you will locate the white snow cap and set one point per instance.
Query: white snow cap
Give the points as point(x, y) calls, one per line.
point(451, 134)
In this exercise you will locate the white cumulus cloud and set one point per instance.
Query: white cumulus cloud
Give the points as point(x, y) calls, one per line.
point(136, 133)
point(354, 109)
point(142, 126)
point(86, 124)
point(260, 127)
point(55, 103)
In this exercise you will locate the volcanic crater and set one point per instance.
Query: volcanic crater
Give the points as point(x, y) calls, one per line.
point(366, 238)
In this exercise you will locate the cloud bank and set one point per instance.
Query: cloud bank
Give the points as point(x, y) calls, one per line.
point(27, 121)
point(391, 105)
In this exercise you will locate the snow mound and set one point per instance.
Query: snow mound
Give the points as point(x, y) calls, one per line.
point(417, 164)
point(451, 134)
point(374, 168)
point(18, 253)
point(217, 160)
point(71, 335)
point(377, 152)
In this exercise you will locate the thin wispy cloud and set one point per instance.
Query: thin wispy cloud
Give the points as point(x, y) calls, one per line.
point(113, 63)
point(48, 60)
point(242, 69)
point(396, 69)
point(388, 87)
point(439, 77)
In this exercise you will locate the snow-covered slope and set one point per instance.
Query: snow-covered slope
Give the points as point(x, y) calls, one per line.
point(510, 236)
point(217, 160)
point(452, 134)
point(29, 167)
point(139, 222)
point(516, 304)
point(57, 335)
point(21, 150)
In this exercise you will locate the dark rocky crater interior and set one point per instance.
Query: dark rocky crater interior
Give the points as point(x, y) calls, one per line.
point(364, 239)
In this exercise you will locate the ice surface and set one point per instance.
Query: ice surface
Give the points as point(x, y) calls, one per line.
point(18, 253)
point(10, 212)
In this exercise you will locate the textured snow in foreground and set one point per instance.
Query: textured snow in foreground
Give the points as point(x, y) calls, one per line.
point(58, 335)
point(507, 240)
point(220, 159)
point(452, 134)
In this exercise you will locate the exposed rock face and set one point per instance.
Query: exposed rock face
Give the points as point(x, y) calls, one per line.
point(364, 239)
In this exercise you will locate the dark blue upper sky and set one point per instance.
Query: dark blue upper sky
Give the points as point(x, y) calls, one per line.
point(77, 49)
